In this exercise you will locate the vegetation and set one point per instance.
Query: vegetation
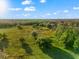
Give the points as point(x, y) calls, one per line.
point(4, 42)
point(44, 43)
point(39, 39)
point(35, 34)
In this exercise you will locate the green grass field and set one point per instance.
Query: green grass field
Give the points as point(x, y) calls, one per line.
point(31, 50)
point(15, 50)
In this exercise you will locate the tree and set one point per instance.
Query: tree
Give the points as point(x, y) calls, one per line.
point(25, 46)
point(35, 34)
point(49, 26)
point(65, 37)
point(42, 25)
point(19, 26)
point(59, 31)
point(70, 38)
point(44, 42)
point(4, 42)
point(0, 35)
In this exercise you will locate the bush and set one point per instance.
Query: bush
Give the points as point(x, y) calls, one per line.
point(70, 38)
point(35, 35)
point(19, 26)
point(49, 26)
point(4, 42)
point(44, 42)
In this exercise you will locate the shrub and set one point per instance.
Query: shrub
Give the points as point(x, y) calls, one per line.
point(70, 38)
point(19, 26)
point(4, 41)
point(44, 42)
point(35, 35)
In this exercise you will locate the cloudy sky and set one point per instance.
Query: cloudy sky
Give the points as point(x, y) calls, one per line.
point(52, 9)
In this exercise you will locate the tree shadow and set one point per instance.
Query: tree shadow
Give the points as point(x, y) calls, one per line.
point(76, 50)
point(26, 47)
point(56, 53)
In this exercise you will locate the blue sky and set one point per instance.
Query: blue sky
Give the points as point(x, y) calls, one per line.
point(47, 9)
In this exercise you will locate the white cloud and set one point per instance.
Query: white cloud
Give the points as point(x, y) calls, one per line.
point(66, 11)
point(26, 14)
point(29, 9)
point(45, 15)
point(42, 1)
point(48, 14)
point(54, 13)
point(76, 8)
point(26, 2)
point(15, 9)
